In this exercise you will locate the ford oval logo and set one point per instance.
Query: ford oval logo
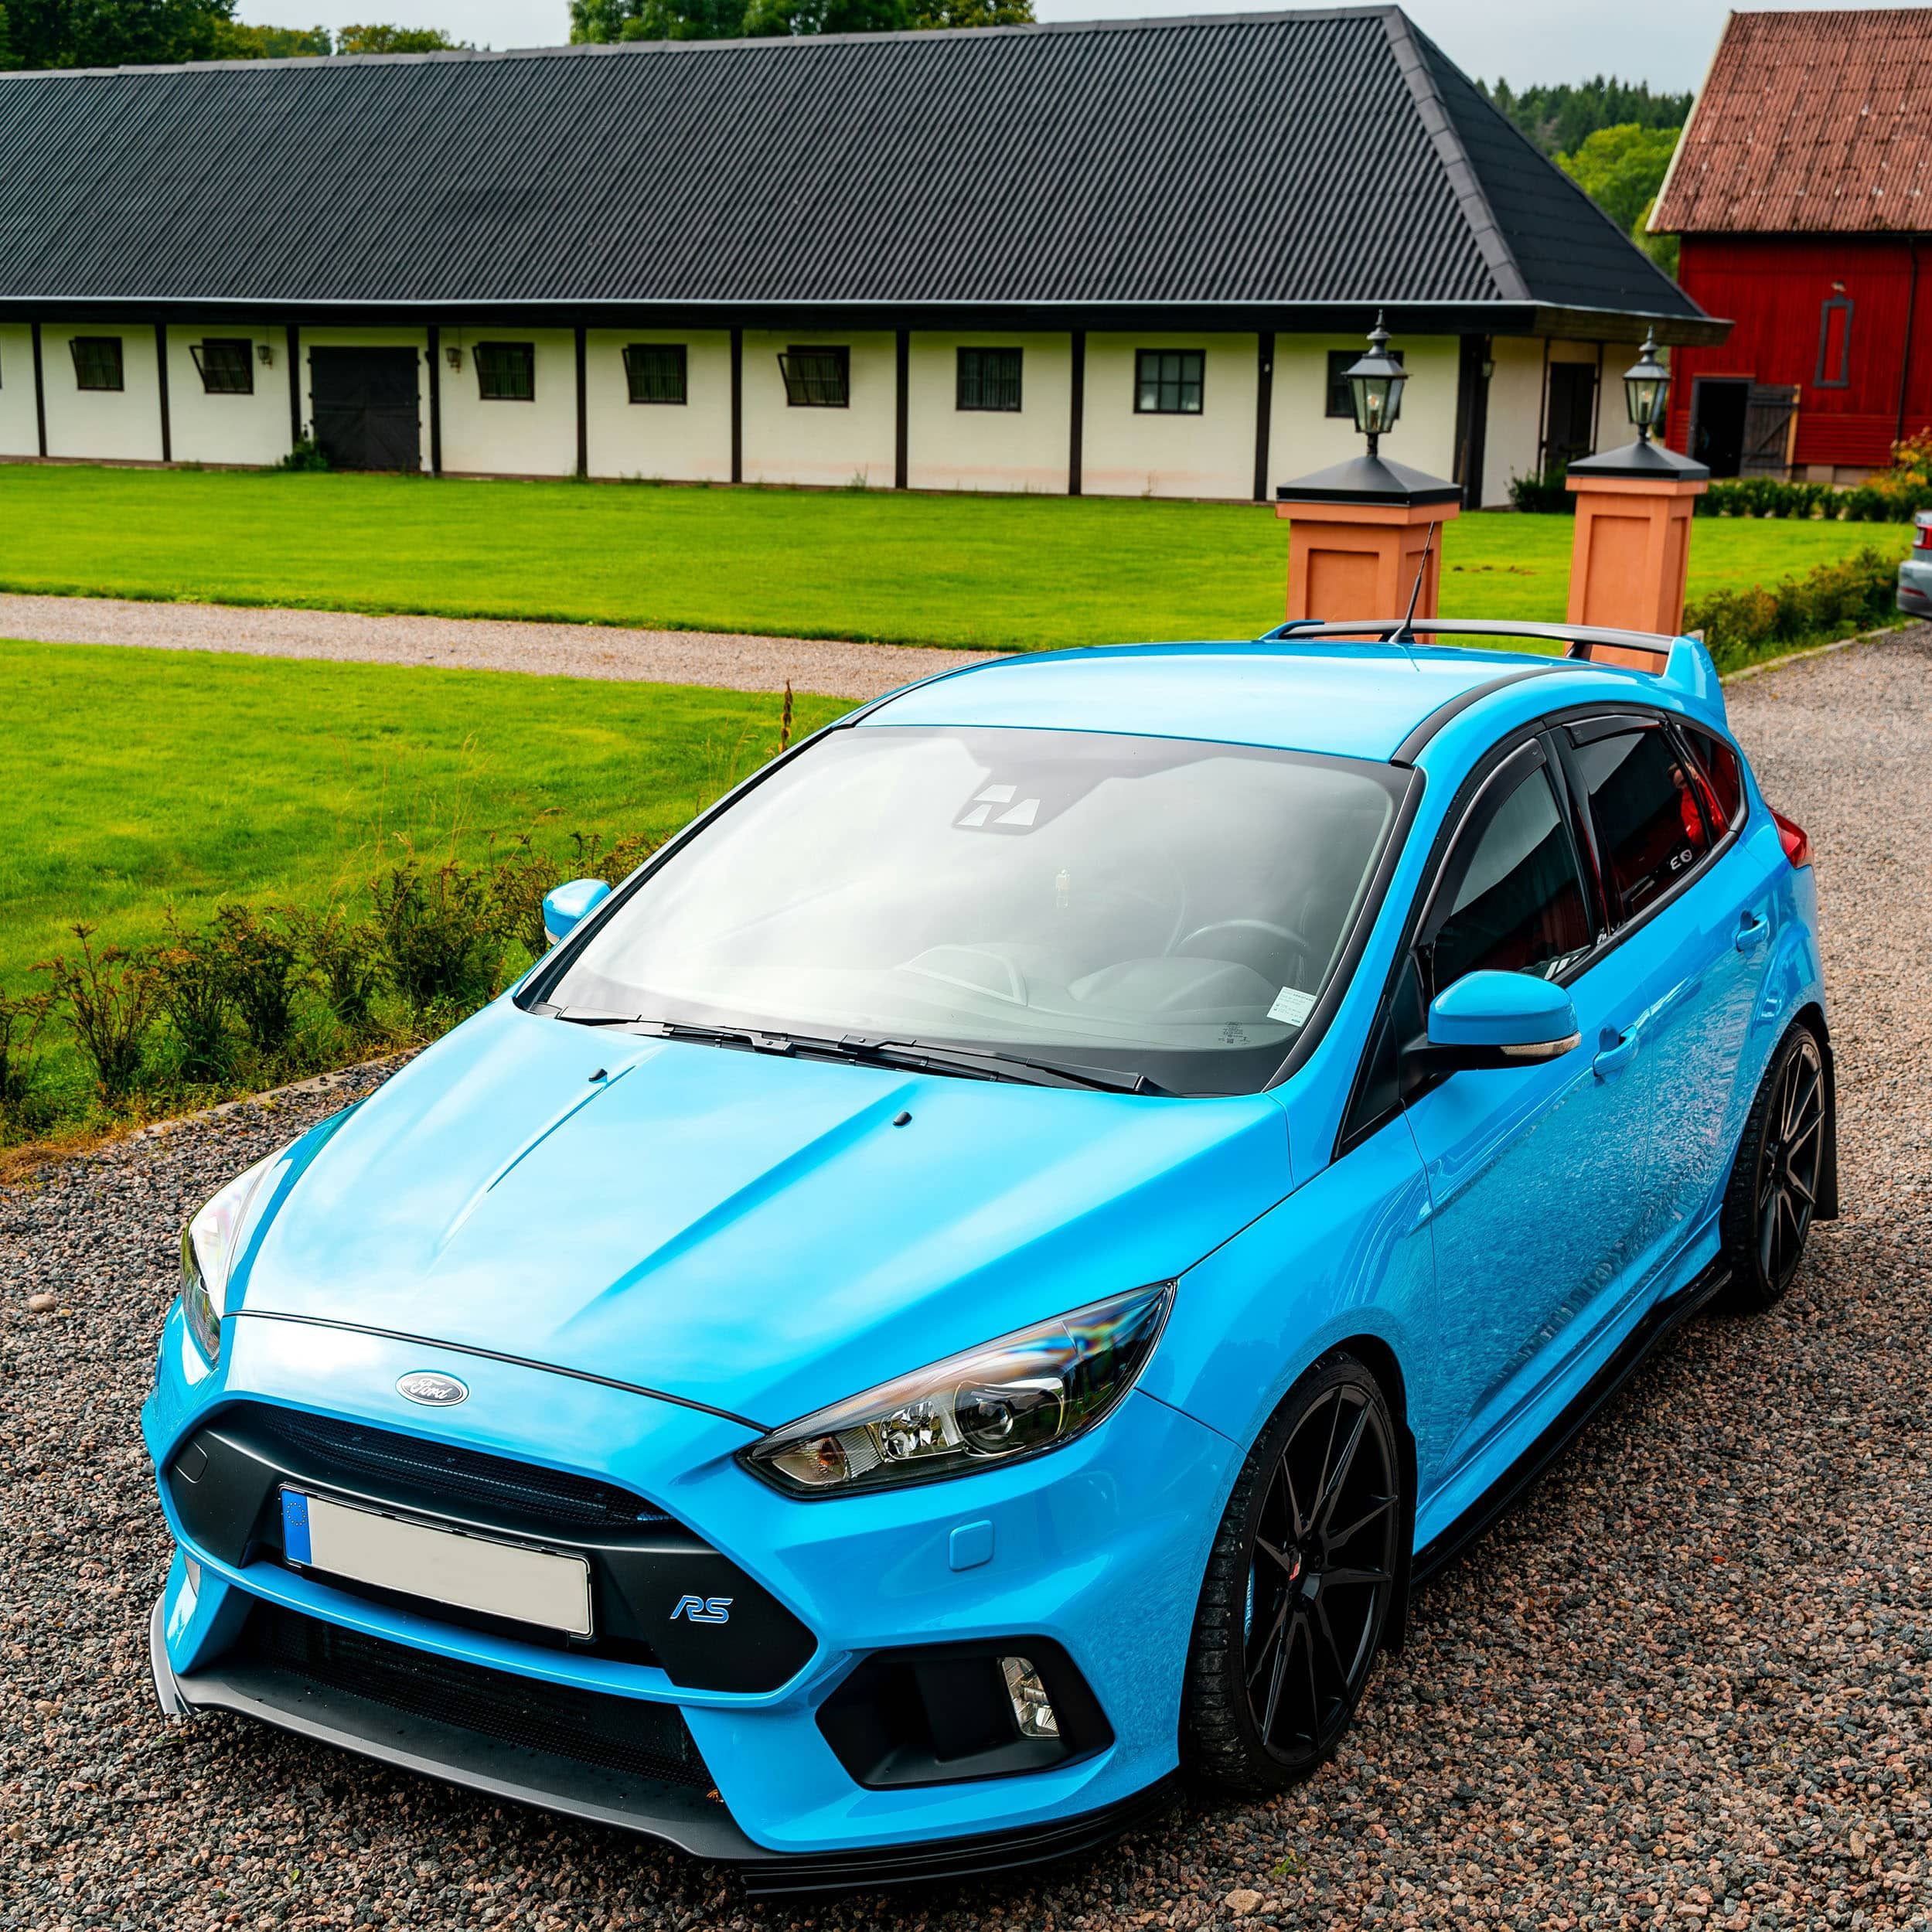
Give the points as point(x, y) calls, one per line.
point(439, 1391)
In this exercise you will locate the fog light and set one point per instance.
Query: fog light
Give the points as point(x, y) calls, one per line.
point(1031, 1711)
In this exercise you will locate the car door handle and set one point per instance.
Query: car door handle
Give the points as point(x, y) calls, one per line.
point(1752, 930)
point(1611, 1060)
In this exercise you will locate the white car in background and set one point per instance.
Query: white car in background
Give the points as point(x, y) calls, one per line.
point(1915, 574)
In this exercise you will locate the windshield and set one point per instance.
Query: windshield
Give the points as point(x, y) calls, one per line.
point(1149, 906)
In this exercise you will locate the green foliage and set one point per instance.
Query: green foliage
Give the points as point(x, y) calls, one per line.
point(307, 455)
point(22, 1017)
point(244, 42)
point(110, 1001)
point(1559, 120)
point(114, 33)
point(191, 983)
point(388, 39)
point(1836, 600)
point(345, 962)
point(437, 932)
point(1621, 169)
point(263, 965)
point(1543, 494)
point(609, 20)
point(6, 43)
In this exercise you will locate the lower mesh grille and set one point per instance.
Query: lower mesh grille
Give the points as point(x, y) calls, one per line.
point(325, 1446)
point(618, 1734)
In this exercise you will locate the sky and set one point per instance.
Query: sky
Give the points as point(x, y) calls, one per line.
point(1667, 42)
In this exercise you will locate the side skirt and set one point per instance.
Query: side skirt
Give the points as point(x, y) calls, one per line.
point(1522, 1474)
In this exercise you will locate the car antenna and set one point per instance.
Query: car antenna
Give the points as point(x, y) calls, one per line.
point(1407, 634)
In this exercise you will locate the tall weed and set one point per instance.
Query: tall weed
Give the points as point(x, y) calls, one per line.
point(110, 998)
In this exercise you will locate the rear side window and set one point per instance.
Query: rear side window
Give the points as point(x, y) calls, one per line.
point(1723, 788)
point(1514, 899)
point(1644, 806)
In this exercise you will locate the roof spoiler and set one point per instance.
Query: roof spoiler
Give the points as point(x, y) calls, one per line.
point(1682, 663)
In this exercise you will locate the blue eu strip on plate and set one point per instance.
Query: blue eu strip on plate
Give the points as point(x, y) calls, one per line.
point(295, 1526)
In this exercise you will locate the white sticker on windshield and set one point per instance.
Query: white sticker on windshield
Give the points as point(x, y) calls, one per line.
point(1292, 1006)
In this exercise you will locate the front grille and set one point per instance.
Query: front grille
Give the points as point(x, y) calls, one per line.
point(620, 1734)
point(323, 1446)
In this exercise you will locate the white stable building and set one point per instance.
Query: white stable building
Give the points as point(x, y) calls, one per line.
point(1126, 258)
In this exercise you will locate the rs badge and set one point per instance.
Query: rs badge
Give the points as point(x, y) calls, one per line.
point(702, 1610)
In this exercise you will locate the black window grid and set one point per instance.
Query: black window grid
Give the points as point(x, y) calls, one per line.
point(98, 361)
point(817, 378)
point(227, 365)
point(656, 372)
point(989, 378)
point(506, 372)
point(1168, 382)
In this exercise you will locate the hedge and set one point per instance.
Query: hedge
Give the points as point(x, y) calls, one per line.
point(1834, 601)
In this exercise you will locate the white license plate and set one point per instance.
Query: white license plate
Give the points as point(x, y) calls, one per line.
point(445, 1565)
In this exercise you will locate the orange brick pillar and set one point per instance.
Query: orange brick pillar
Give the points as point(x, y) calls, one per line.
point(1632, 543)
point(1357, 539)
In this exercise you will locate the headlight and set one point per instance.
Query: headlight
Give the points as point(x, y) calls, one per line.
point(210, 1243)
point(1015, 1397)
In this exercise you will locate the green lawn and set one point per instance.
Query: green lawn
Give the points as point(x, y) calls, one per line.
point(164, 778)
point(1026, 572)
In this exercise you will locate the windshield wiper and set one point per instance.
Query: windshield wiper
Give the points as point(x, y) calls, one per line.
point(967, 1062)
point(594, 1017)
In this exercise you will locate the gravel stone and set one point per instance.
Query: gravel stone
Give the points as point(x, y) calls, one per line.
point(1685, 1683)
point(734, 662)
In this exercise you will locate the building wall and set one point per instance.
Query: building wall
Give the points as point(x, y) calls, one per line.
point(660, 441)
point(120, 425)
point(1023, 450)
point(1302, 437)
point(19, 433)
point(251, 429)
point(855, 445)
point(1775, 287)
point(415, 339)
point(497, 438)
point(1210, 454)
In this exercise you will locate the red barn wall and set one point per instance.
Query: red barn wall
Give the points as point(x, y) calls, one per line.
point(1774, 287)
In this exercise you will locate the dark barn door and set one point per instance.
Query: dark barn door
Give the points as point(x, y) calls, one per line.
point(1719, 405)
point(365, 410)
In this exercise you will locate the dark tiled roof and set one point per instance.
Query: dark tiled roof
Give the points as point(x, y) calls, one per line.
point(1817, 122)
point(1273, 162)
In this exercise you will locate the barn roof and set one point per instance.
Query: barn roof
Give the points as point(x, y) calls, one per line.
point(1817, 123)
point(1290, 169)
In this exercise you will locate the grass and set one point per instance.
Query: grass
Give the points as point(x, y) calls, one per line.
point(161, 779)
point(1023, 572)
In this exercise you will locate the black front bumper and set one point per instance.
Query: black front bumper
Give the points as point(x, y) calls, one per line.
point(564, 1759)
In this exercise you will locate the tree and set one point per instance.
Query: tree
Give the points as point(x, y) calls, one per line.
point(730, 19)
point(772, 18)
point(114, 33)
point(656, 19)
point(386, 39)
point(1559, 120)
point(1621, 169)
point(243, 42)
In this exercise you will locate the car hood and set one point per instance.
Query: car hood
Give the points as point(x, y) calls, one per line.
point(748, 1231)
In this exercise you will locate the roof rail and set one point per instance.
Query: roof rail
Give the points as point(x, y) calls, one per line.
point(1682, 663)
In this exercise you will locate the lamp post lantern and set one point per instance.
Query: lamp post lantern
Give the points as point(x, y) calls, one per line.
point(1375, 384)
point(1647, 386)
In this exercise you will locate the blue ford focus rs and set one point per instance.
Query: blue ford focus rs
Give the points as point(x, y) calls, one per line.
point(977, 1281)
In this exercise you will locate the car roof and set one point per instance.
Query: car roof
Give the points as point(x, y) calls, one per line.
point(1349, 700)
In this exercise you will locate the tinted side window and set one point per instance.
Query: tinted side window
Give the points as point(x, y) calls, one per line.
point(1515, 901)
point(1650, 827)
point(1723, 778)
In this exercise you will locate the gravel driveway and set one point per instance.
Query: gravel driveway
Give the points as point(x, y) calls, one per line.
point(1685, 1683)
point(733, 662)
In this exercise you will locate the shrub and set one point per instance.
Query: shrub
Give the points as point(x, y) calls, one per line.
point(22, 1017)
point(1542, 494)
point(307, 455)
point(109, 997)
point(191, 987)
point(346, 962)
point(1832, 602)
point(517, 888)
point(263, 967)
point(441, 946)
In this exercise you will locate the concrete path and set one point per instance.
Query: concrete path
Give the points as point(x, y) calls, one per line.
point(733, 664)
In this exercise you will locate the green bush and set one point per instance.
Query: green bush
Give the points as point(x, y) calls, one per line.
point(22, 1017)
point(1771, 496)
point(441, 943)
point(110, 998)
point(191, 982)
point(346, 963)
point(306, 455)
point(263, 970)
point(1543, 494)
point(1834, 601)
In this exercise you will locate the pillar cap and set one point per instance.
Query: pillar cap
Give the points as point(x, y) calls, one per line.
point(1370, 479)
point(1646, 461)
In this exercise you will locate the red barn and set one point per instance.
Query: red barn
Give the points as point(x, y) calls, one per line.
point(1802, 189)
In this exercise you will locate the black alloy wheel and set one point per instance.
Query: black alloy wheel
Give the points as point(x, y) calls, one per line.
point(1298, 1586)
point(1774, 1189)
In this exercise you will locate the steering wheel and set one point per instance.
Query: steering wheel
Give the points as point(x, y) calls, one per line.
point(1286, 933)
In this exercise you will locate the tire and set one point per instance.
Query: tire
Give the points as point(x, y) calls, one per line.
point(1295, 1596)
point(1774, 1188)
